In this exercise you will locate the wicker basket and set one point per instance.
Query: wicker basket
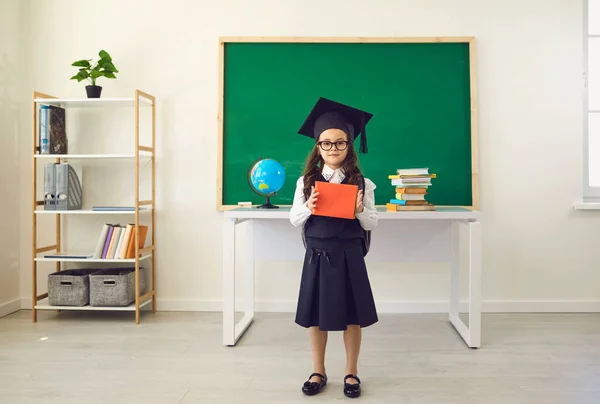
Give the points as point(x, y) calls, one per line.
point(70, 287)
point(115, 286)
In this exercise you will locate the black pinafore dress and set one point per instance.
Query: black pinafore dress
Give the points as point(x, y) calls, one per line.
point(334, 290)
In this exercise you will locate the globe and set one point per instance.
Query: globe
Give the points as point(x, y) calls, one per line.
point(266, 177)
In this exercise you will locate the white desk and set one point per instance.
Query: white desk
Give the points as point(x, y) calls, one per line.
point(456, 216)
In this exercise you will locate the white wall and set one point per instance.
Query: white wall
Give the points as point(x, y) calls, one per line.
point(538, 253)
point(10, 128)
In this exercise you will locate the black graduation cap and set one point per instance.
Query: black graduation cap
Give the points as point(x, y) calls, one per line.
point(328, 114)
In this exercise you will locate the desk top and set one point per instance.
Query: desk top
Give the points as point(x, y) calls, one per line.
point(283, 212)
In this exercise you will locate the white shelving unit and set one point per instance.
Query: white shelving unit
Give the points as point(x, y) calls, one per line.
point(140, 100)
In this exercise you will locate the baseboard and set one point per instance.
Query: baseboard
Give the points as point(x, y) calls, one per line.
point(25, 303)
point(487, 306)
point(541, 306)
point(188, 305)
point(10, 307)
point(440, 306)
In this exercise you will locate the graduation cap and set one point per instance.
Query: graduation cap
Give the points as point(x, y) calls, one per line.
point(328, 114)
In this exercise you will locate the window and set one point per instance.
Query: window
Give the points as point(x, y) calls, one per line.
point(591, 185)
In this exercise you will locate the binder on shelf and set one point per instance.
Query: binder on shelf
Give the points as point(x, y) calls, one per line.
point(57, 130)
point(49, 187)
point(52, 137)
point(44, 135)
point(68, 187)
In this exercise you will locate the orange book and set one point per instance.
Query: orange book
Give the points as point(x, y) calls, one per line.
point(401, 190)
point(335, 200)
point(142, 241)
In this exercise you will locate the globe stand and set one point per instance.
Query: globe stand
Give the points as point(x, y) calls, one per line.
point(265, 178)
point(268, 205)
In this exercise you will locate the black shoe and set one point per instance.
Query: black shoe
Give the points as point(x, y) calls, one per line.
point(311, 388)
point(351, 390)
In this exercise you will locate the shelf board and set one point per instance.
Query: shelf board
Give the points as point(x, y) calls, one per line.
point(93, 102)
point(92, 212)
point(44, 304)
point(131, 260)
point(90, 156)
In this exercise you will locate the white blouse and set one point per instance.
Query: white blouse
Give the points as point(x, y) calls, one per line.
point(300, 213)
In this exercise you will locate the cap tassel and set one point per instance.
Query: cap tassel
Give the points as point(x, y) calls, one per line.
point(363, 139)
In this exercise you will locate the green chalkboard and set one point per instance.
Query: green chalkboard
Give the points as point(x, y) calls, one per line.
point(420, 95)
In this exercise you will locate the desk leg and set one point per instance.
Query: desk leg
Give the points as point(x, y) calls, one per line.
point(472, 333)
point(249, 269)
point(229, 282)
point(454, 269)
point(232, 331)
point(475, 284)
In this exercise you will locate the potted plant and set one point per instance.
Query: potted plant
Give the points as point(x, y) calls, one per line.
point(104, 67)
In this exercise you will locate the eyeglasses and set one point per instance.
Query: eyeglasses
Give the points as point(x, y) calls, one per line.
point(339, 145)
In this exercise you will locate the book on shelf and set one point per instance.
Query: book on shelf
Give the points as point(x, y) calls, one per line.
point(410, 197)
point(421, 171)
point(411, 190)
point(72, 255)
point(113, 208)
point(392, 207)
point(52, 132)
point(116, 241)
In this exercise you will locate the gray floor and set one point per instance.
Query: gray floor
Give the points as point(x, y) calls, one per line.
point(172, 358)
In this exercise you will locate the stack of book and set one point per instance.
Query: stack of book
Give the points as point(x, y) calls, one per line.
point(411, 185)
point(117, 241)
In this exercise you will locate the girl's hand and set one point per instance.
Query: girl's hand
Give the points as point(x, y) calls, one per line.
point(312, 199)
point(359, 202)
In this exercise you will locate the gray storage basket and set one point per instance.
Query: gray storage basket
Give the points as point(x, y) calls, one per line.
point(70, 287)
point(115, 286)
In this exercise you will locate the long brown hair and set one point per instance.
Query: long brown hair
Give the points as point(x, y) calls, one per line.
point(314, 165)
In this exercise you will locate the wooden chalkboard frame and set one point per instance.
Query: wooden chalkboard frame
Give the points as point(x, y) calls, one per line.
point(473, 89)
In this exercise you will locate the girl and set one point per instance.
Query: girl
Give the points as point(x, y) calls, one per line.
point(335, 293)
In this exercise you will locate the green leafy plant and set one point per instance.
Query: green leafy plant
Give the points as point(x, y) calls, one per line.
point(104, 67)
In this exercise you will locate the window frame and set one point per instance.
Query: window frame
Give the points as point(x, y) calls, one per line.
point(590, 193)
